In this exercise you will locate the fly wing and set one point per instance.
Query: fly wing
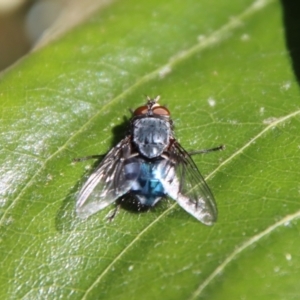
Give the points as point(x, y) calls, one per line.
point(186, 185)
point(106, 183)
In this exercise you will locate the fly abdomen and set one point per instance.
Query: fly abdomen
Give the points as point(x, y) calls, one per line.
point(147, 187)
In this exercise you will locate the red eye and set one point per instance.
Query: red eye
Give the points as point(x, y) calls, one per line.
point(161, 110)
point(142, 110)
point(156, 109)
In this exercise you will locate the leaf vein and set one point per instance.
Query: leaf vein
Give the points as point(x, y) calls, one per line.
point(241, 248)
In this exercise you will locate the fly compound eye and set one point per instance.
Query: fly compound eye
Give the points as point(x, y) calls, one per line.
point(142, 110)
point(160, 110)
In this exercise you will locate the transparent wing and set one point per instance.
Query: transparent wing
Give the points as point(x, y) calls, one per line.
point(185, 184)
point(106, 183)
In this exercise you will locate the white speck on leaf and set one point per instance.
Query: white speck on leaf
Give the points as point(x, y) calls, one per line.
point(288, 256)
point(130, 268)
point(286, 86)
point(262, 110)
point(211, 101)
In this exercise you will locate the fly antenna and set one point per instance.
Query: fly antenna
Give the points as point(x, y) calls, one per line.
point(156, 99)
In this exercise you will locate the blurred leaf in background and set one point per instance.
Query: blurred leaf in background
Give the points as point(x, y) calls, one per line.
point(27, 24)
point(225, 73)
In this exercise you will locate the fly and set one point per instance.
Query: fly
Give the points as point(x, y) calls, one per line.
point(149, 164)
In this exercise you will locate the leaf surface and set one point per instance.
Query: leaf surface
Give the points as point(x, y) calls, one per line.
point(224, 72)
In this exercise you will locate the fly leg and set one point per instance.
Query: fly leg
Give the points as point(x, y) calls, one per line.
point(97, 156)
point(112, 215)
point(222, 147)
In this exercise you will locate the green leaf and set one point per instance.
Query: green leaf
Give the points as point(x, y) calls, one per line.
point(224, 72)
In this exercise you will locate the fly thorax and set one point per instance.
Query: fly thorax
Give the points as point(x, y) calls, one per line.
point(151, 136)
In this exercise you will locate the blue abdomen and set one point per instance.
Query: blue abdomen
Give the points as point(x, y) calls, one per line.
point(146, 180)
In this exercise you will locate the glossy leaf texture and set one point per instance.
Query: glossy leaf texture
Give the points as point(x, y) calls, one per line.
point(225, 73)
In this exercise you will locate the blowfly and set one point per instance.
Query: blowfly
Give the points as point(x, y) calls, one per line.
point(149, 164)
